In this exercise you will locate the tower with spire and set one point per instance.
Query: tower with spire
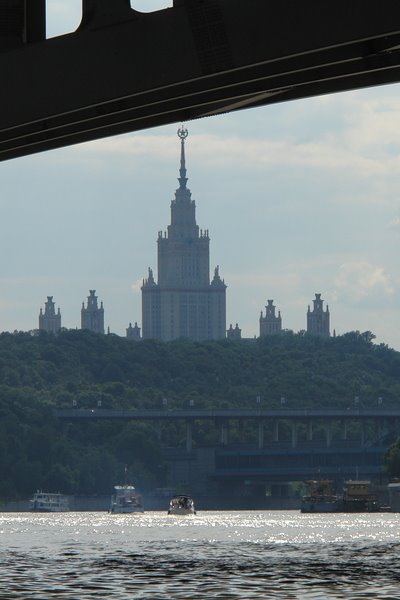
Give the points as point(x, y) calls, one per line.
point(50, 320)
point(270, 324)
point(318, 318)
point(92, 317)
point(183, 302)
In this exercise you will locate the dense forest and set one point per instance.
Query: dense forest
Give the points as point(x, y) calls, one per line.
point(40, 372)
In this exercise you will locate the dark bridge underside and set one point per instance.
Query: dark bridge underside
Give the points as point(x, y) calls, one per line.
point(123, 71)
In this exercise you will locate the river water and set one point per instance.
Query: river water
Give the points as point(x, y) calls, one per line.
point(227, 555)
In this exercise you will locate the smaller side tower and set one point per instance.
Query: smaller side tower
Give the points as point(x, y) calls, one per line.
point(151, 308)
point(234, 333)
point(133, 333)
point(270, 324)
point(50, 320)
point(92, 317)
point(318, 318)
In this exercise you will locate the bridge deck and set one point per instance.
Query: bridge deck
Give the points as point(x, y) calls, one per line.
point(227, 414)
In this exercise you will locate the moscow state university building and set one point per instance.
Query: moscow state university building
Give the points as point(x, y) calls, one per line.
point(183, 302)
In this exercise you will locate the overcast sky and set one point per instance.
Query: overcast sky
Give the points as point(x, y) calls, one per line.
point(299, 198)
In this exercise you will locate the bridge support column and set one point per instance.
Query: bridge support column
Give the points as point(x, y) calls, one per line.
point(345, 429)
point(328, 433)
point(382, 428)
point(363, 433)
point(310, 431)
point(276, 431)
point(261, 434)
point(391, 427)
point(189, 436)
point(224, 434)
point(294, 434)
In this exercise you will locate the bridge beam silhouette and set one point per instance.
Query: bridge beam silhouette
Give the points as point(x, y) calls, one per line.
point(123, 70)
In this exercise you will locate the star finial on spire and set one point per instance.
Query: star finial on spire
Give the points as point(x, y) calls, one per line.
point(182, 134)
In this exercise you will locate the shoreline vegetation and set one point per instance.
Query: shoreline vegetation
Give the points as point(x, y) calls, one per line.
point(40, 372)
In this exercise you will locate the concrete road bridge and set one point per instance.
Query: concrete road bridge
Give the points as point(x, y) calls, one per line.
point(287, 445)
point(273, 426)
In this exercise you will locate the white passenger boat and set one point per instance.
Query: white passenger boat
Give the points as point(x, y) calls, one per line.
point(126, 500)
point(49, 503)
point(181, 505)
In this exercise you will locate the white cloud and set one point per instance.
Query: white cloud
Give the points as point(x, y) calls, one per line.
point(136, 286)
point(363, 284)
point(332, 153)
point(395, 224)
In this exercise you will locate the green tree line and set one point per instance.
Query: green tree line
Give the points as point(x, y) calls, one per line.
point(40, 372)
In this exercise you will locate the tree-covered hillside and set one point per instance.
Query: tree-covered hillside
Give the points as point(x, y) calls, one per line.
point(41, 372)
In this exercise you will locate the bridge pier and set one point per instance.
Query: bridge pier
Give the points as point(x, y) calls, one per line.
point(158, 429)
point(310, 431)
point(328, 433)
point(224, 433)
point(276, 431)
point(379, 427)
point(363, 433)
point(189, 436)
point(294, 433)
point(261, 434)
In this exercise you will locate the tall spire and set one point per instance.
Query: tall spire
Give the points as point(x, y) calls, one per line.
point(182, 134)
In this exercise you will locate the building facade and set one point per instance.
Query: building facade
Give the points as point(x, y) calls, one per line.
point(133, 333)
point(318, 318)
point(183, 303)
point(92, 317)
point(270, 324)
point(50, 320)
point(234, 333)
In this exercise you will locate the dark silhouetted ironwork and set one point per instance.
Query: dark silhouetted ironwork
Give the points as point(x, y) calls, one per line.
point(123, 70)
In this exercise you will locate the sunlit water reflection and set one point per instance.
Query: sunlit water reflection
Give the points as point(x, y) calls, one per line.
point(211, 555)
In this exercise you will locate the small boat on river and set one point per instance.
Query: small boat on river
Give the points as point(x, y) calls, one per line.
point(320, 498)
point(356, 497)
point(126, 500)
point(48, 503)
point(181, 505)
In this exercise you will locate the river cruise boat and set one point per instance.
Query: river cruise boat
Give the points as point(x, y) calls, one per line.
point(357, 497)
point(181, 505)
point(320, 498)
point(126, 500)
point(49, 503)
